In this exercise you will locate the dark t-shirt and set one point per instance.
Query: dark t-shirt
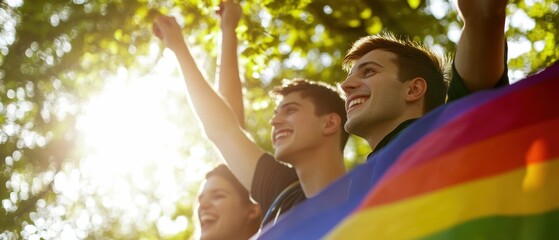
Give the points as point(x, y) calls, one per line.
point(270, 179)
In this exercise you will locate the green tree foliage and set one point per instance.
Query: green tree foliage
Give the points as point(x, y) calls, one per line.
point(55, 55)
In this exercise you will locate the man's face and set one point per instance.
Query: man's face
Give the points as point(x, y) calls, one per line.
point(295, 127)
point(375, 96)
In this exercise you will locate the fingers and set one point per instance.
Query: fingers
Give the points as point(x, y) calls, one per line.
point(155, 27)
point(157, 24)
point(159, 20)
point(161, 25)
point(162, 22)
point(229, 4)
point(156, 31)
point(225, 5)
point(220, 9)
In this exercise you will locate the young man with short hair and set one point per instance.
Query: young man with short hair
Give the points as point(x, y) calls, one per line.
point(306, 133)
point(393, 82)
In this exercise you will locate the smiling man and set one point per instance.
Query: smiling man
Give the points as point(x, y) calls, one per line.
point(307, 127)
point(392, 82)
point(307, 133)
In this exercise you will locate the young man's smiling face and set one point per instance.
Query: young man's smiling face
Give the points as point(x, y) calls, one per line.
point(375, 96)
point(295, 127)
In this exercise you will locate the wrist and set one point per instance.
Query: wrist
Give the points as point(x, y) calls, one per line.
point(228, 27)
point(179, 47)
point(229, 31)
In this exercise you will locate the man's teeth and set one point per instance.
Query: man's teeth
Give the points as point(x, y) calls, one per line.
point(282, 135)
point(356, 101)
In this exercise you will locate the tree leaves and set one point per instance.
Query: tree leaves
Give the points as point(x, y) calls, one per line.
point(63, 51)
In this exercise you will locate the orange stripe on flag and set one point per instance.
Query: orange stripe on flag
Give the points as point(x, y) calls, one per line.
point(513, 193)
point(491, 156)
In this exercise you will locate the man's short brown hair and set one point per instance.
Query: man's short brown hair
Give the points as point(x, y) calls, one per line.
point(413, 59)
point(325, 98)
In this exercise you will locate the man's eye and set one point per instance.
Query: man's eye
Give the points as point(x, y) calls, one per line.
point(368, 72)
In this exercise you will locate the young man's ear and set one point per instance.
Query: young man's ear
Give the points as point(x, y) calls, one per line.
point(417, 88)
point(332, 123)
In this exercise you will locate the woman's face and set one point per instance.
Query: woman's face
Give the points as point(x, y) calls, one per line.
point(223, 213)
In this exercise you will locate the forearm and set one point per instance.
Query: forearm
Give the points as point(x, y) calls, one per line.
point(219, 122)
point(212, 111)
point(480, 52)
point(229, 83)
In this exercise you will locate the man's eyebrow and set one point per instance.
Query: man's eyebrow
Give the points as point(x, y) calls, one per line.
point(284, 105)
point(362, 65)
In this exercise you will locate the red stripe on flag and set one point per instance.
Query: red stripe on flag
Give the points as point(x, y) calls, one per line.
point(510, 151)
point(516, 110)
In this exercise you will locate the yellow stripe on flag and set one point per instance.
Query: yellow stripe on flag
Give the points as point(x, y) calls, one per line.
point(530, 190)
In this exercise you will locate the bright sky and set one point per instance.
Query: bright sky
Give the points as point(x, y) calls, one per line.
point(141, 142)
point(134, 145)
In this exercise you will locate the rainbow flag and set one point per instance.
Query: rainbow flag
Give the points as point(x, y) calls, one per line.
point(483, 167)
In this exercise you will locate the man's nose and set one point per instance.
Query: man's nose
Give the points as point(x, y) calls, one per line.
point(349, 84)
point(276, 120)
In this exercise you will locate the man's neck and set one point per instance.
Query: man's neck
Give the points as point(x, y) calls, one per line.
point(318, 168)
point(381, 130)
point(378, 133)
point(390, 136)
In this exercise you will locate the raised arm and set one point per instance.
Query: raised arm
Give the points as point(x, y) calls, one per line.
point(229, 82)
point(480, 52)
point(218, 120)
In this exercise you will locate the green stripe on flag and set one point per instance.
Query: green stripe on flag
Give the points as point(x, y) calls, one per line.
point(529, 227)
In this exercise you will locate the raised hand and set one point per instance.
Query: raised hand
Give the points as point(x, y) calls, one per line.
point(168, 30)
point(482, 9)
point(480, 53)
point(229, 82)
point(230, 13)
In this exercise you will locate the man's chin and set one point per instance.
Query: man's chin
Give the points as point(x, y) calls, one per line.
point(351, 126)
point(283, 157)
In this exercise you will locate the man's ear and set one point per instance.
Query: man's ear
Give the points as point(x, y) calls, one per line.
point(332, 123)
point(417, 88)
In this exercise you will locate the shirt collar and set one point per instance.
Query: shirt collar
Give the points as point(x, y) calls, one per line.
point(388, 138)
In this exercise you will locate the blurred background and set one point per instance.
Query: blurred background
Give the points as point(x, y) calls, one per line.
point(97, 140)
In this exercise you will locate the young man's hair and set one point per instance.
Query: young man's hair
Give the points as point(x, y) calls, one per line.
point(326, 99)
point(413, 59)
point(223, 171)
